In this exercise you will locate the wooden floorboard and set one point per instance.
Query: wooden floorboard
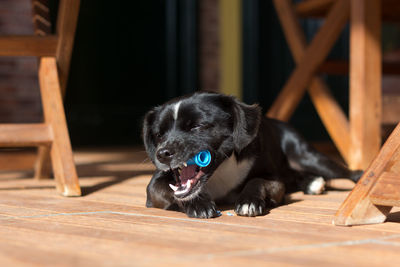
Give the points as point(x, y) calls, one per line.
point(109, 225)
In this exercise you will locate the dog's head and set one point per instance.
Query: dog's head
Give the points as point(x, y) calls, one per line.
point(176, 131)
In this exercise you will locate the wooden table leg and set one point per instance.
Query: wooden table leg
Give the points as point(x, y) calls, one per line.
point(365, 82)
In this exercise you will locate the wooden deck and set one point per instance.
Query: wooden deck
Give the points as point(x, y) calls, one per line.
point(109, 225)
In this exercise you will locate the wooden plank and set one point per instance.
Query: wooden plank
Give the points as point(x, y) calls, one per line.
point(341, 67)
point(329, 111)
point(17, 159)
point(100, 213)
point(25, 135)
point(61, 151)
point(386, 191)
point(116, 229)
point(67, 20)
point(18, 45)
point(123, 232)
point(363, 254)
point(313, 7)
point(365, 82)
point(291, 94)
point(357, 208)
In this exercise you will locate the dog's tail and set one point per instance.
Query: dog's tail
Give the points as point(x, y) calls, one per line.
point(307, 159)
point(356, 175)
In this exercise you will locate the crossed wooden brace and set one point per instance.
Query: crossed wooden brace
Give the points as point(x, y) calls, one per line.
point(357, 141)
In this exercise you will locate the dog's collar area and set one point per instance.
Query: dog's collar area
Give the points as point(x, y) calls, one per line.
point(186, 178)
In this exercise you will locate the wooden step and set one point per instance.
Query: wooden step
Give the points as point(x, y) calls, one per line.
point(25, 135)
point(386, 191)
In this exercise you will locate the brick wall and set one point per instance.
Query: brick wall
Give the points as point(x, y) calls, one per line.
point(209, 45)
point(19, 89)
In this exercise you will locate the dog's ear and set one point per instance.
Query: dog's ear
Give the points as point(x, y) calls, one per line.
point(147, 135)
point(247, 120)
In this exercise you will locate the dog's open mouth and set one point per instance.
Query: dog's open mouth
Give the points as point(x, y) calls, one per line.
point(187, 178)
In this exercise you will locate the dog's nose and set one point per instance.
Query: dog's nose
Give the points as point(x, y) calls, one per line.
point(165, 155)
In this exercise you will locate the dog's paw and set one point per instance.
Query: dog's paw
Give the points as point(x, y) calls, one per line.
point(252, 207)
point(202, 210)
point(316, 187)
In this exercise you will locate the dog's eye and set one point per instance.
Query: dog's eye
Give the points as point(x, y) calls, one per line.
point(195, 127)
point(202, 126)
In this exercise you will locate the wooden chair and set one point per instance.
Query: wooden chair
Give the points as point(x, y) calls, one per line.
point(358, 138)
point(378, 189)
point(54, 53)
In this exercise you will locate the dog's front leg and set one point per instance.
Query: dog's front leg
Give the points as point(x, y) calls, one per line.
point(159, 194)
point(258, 196)
point(200, 207)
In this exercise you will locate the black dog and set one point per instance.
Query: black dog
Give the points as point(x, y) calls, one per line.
point(255, 160)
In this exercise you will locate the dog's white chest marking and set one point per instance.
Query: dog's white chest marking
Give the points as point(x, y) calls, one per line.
point(176, 110)
point(227, 176)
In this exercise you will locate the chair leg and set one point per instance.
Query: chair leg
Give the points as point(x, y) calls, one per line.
point(372, 198)
point(365, 82)
point(61, 151)
point(43, 163)
point(66, 25)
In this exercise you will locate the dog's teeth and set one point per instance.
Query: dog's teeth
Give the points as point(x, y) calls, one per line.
point(173, 187)
point(185, 164)
point(184, 191)
point(188, 183)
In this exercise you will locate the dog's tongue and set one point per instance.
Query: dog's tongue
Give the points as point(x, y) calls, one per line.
point(185, 176)
point(188, 173)
point(188, 177)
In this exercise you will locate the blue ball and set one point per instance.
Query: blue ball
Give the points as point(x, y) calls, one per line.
point(201, 159)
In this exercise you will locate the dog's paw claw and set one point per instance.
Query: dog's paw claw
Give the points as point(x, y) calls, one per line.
point(202, 210)
point(253, 207)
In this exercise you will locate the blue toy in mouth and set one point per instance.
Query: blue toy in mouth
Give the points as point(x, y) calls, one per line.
point(201, 159)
